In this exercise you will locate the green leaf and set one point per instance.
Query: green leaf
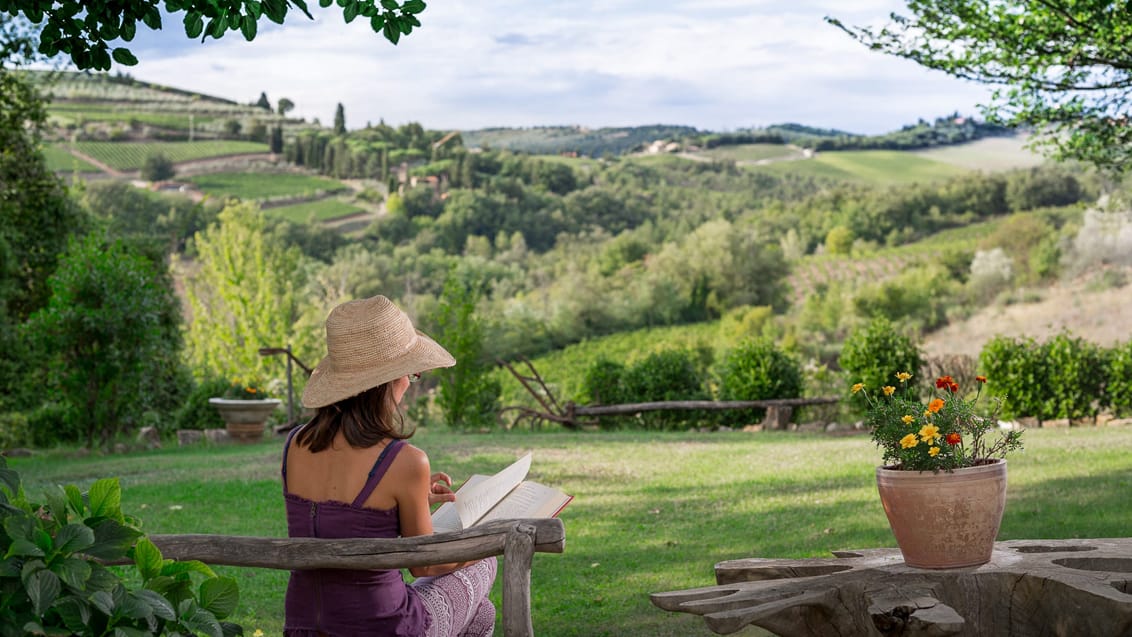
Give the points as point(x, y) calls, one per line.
point(73, 538)
point(194, 24)
point(73, 571)
point(302, 6)
point(152, 17)
point(24, 548)
point(377, 22)
point(148, 558)
point(57, 505)
point(112, 540)
point(124, 57)
point(74, 612)
point(43, 587)
point(413, 6)
point(101, 579)
point(231, 630)
point(161, 607)
point(325, 3)
point(201, 621)
point(171, 568)
point(390, 5)
point(75, 499)
point(103, 601)
point(105, 497)
point(392, 33)
point(130, 631)
point(276, 10)
point(11, 480)
point(135, 607)
point(219, 596)
point(217, 26)
point(249, 27)
point(350, 11)
point(129, 29)
point(43, 540)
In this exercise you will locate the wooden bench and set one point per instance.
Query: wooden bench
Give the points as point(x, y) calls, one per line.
point(516, 540)
point(1030, 588)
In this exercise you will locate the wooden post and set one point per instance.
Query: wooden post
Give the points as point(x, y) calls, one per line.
point(518, 553)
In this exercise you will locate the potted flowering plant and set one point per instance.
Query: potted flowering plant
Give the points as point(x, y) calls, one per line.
point(944, 471)
point(245, 409)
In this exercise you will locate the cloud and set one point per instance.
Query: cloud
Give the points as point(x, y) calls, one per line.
point(713, 64)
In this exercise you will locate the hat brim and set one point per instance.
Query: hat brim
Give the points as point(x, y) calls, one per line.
point(328, 385)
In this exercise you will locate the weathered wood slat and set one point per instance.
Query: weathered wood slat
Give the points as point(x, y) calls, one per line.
point(363, 553)
point(516, 540)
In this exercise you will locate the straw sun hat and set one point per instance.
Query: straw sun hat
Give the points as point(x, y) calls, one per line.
point(369, 342)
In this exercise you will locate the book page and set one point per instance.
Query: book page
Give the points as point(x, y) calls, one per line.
point(472, 503)
point(445, 518)
point(528, 500)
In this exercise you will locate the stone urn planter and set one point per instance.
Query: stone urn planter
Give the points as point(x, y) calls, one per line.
point(245, 420)
point(945, 520)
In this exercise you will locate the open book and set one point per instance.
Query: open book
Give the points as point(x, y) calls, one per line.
point(503, 496)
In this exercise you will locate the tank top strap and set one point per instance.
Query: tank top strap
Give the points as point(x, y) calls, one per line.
point(286, 448)
point(378, 470)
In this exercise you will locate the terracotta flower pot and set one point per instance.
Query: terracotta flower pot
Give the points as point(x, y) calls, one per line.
point(244, 419)
point(944, 520)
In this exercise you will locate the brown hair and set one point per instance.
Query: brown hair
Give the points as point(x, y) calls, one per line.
point(365, 420)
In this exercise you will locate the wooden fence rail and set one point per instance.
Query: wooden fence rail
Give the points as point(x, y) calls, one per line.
point(515, 540)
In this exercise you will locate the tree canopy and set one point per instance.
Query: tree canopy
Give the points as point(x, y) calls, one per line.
point(1063, 67)
point(91, 31)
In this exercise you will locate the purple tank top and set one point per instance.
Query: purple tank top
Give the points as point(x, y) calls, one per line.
point(341, 602)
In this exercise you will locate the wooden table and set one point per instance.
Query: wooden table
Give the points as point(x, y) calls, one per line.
point(1075, 588)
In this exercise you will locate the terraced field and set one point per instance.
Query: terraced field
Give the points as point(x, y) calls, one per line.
point(872, 166)
point(131, 155)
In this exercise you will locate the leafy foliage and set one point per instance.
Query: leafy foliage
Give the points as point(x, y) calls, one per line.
point(1061, 65)
point(111, 331)
point(157, 167)
point(756, 369)
point(469, 395)
point(51, 586)
point(1063, 377)
point(874, 354)
point(665, 375)
point(84, 30)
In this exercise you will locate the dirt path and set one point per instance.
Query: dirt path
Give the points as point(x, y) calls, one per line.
point(101, 166)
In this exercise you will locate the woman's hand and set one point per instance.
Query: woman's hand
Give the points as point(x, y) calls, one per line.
point(440, 489)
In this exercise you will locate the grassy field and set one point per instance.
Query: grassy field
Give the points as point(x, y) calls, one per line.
point(263, 185)
point(58, 160)
point(65, 113)
point(988, 154)
point(652, 512)
point(873, 166)
point(753, 152)
point(131, 155)
point(320, 210)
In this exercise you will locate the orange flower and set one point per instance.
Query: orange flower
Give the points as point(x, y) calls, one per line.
point(935, 405)
point(981, 379)
point(889, 390)
point(943, 382)
point(954, 438)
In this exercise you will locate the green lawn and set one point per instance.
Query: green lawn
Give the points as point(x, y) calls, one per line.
point(320, 210)
point(131, 155)
point(872, 166)
point(652, 512)
point(59, 160)
point(251, 186)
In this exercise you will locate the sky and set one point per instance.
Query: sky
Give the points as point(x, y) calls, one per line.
point(717, 65)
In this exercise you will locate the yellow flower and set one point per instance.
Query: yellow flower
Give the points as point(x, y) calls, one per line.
point(903, 376)
point(928, 433)
point(257, 633)
point(927, 414)
point(889, 390)
point(933, 452)
point(909, 441)
point(909, 419)
point(858, 387)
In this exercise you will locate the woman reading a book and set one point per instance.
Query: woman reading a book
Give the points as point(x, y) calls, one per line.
point(349, 473)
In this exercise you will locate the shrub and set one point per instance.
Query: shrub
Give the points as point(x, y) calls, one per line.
point(196, 413)
point(601, 382)
point(14, 431)
point(1061, 378)
point(53, 587)
point(875, 354)
point(757, 370)
point(53, 424)
point(664, 376)
point(1119, 389)
point(157, 167)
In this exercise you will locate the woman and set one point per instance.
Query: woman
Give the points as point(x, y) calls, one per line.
point(348, 473)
